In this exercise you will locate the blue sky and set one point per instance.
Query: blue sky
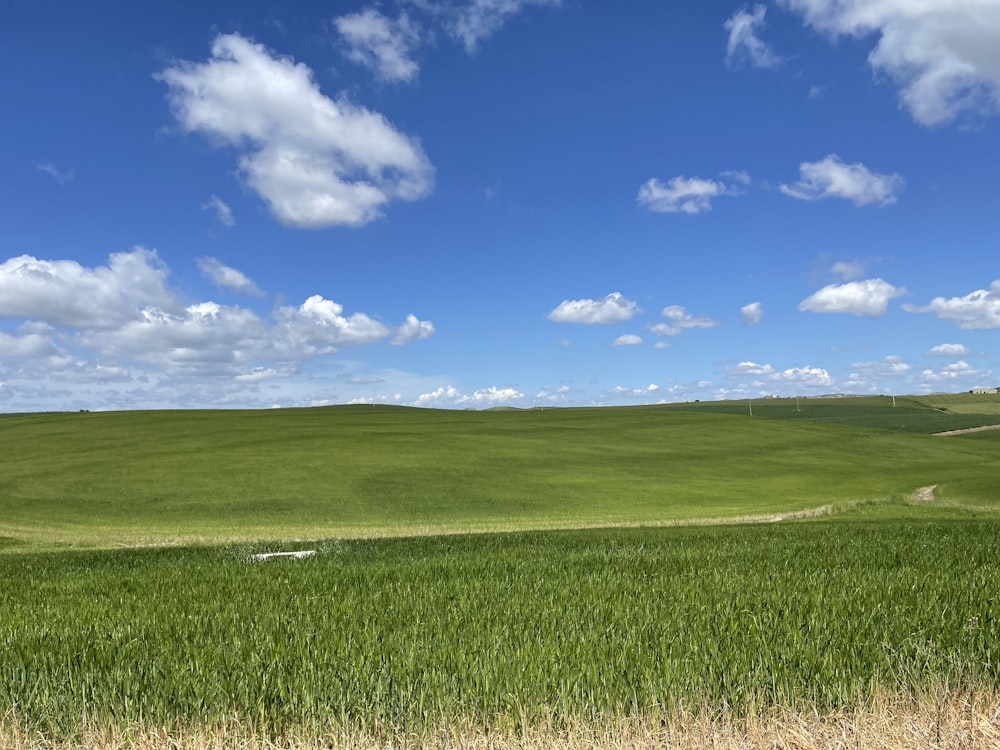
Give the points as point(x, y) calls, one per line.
point(470, 203)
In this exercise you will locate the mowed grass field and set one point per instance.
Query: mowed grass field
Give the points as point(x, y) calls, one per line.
point(132, 607)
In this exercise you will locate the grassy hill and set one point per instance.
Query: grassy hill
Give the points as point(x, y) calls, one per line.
point(155, 477)
point(926, 414)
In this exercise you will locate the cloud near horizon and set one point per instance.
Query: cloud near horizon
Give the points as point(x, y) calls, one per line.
point(126, 314)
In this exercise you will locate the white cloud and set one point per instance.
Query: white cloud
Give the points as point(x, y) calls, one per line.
point(62, 176)
point(752, 313)
point(78, 324)
point(413, 329)
point(614, 308)
point(449, 397)
point(954, 375)
point(679, 319)
point(318, 324)
point(891, 366)
point(978, 310)
point(689, 195)
point(745, 44)
point(228, 278)
point(381, 44)
point(869, 298)
point(222, 211)
point(944, 56)
point(948, 350)
point(812, 377)
point(767, 376)
point(832, 178)
point(316, 161)
point(62, 292)
point(627, 339)
point(751, 368)
point(481, 19)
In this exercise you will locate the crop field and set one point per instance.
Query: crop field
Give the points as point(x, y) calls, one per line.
point(503, 629)
point(112, 479)
point(619, 584)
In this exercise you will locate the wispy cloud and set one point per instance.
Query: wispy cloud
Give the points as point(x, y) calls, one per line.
point(745, 45)
point(222, 211)
point(228, 278)
point(62, 176)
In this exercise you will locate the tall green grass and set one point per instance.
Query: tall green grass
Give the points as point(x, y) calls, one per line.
point(501, 631)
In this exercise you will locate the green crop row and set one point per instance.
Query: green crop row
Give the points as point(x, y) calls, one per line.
point(500, 630)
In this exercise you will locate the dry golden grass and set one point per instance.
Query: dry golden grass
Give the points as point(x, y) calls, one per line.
point(938, 722)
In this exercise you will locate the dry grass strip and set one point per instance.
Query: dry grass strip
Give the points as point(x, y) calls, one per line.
point(953, 722)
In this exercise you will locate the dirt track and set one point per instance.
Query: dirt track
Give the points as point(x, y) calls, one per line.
point(968, 429)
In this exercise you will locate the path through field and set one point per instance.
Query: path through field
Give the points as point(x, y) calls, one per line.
point(984, 428)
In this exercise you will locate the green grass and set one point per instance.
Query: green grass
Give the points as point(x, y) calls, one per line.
point(161, 477)
point(925, 414)
point(966, 403)
point(503, 630)
point(885, 594)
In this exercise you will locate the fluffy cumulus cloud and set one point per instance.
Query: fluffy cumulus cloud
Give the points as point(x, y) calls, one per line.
point(413, 329)
point(944, 56)
point(689, 195)
point(76, 324)
point(228, 278)
point(948, 350)
point(63, 292)
point(869, 298)
point(381, 44)
point(832, 178)
point(752, 313)
point(449, 397)
point(677, 319)
point(614, 308)
point(978, 310)
point(745, 45)
point(316, 161)
point(627, 339)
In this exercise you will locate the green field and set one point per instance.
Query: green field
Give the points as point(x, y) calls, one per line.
point(619, 579)
point(111, 479)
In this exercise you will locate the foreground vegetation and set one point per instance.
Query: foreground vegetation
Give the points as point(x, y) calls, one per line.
point(505, 632)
